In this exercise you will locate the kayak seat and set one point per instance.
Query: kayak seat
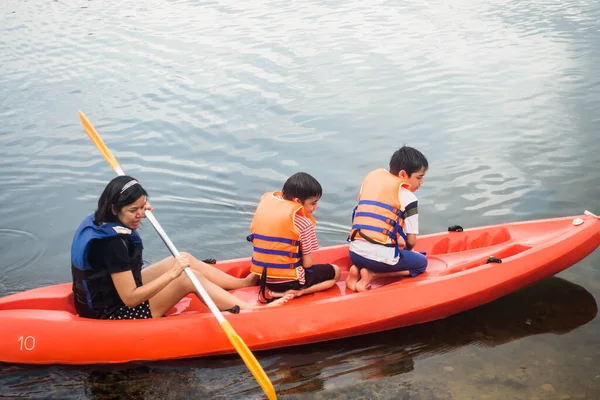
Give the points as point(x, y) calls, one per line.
point(481, 261)
point(53, 301)
point(462, 241)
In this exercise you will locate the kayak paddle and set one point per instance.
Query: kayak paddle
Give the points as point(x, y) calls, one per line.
point(237, 342)
point(591, 214)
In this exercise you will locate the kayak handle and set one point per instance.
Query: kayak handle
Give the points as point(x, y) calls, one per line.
point(455, 228)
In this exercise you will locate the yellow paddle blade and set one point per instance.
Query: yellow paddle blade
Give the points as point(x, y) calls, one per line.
point(250, 361)
point(97, 140)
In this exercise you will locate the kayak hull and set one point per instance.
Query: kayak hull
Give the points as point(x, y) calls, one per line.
point(40, 326)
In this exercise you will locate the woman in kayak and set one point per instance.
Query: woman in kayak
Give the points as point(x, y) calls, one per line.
point(106, 263)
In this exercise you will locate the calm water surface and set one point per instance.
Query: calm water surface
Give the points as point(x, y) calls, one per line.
point(210, 104)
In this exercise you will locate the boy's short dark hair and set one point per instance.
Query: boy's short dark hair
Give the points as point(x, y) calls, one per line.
point(302, 186)
point(408, 159)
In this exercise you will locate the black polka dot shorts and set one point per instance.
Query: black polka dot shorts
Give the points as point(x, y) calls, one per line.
point(141, 311)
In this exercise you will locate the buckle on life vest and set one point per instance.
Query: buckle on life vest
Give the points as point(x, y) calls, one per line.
point(263, 296)
point(250, 238)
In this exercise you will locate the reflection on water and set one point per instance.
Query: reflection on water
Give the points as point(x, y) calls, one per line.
point(552, 306)
point(144, 382)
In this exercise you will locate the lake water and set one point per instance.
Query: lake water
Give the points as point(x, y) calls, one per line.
point(210, 104)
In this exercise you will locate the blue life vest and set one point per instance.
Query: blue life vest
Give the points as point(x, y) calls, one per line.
point(93, 288)
point(89, 231)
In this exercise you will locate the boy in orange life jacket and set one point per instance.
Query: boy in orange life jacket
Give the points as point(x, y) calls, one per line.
point(386, 223)
point(283, 235)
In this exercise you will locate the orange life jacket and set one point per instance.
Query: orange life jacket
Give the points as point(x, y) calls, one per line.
point(378, 217)
point(275, 239)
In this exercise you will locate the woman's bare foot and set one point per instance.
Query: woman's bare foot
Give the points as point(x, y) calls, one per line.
point(352, 279)
point(251, 280)
point(364, 283)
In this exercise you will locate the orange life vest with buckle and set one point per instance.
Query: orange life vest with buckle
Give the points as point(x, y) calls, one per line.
point(378, 217)
point(275, 239)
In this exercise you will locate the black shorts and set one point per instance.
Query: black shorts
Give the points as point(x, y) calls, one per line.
point(141, 311)
point(316, 274)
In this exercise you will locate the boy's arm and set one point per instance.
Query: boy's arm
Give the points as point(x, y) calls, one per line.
point(411, 217)
point(411, 241)
point(309, 244)
point(308, 240)
point(307, 260)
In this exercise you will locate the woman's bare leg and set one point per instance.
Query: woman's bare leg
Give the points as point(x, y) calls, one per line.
point(221, 278)
point(211, 273)
point(164, 300)
point(157, 269)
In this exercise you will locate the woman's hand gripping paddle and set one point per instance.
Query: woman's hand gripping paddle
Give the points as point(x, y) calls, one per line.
point(236, 341)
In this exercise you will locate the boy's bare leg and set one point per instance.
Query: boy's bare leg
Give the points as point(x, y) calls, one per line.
point(313, 289)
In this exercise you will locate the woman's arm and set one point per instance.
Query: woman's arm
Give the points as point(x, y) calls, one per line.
point(133, 296)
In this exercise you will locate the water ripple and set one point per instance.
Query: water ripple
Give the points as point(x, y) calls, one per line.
point(210, 104)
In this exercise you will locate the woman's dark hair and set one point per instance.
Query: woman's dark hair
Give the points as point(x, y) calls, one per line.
point(121, 191)
point(302, 186)
point(408, 159)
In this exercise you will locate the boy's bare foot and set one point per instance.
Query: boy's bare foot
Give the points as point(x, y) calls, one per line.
point(295, 293)
point(271, 293)
point(352, 279)
point(280, 301)
point(364, 283)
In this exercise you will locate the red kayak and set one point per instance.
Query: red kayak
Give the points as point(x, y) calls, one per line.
point(466, 269)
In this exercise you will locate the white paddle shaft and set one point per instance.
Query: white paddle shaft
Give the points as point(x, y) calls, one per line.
point(591, 214)
point(188, 271)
